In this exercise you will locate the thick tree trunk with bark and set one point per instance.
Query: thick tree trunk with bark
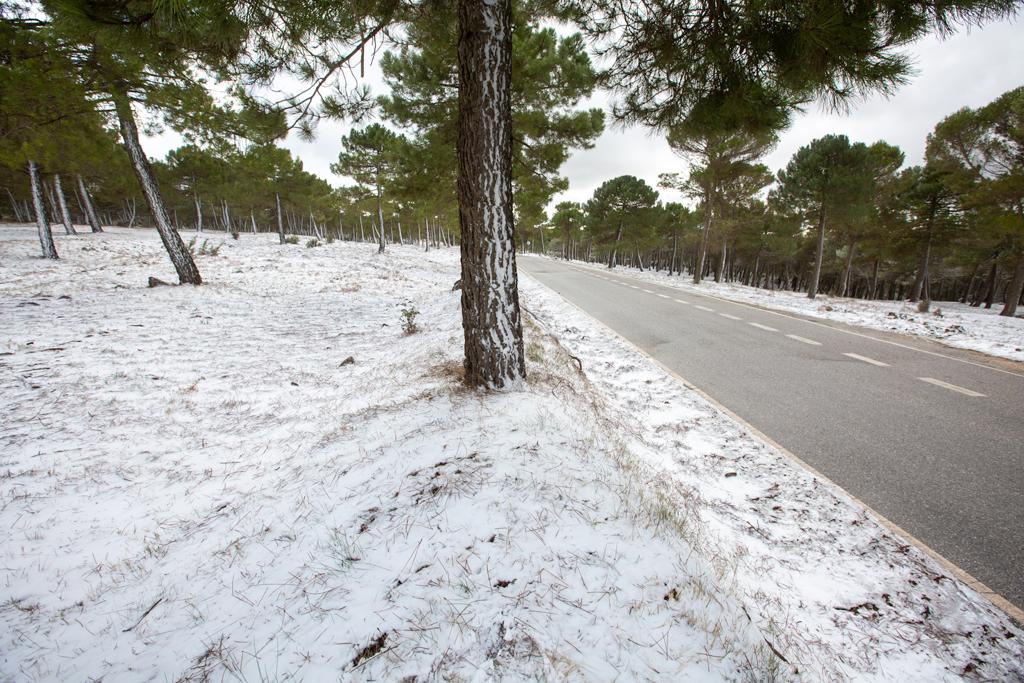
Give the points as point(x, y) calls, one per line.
point(87, 205)
point(1015, 288)
point(490, 297)
point(188, 274)
point(62, 204)
point(42, 222)
point(812, 287)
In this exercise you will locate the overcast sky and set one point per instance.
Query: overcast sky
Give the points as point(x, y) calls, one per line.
point(968, 69)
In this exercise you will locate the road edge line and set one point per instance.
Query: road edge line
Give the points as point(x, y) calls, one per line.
point(1015, 613)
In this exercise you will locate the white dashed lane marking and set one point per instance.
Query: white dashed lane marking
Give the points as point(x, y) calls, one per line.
point(805, 340)
point(951, 387)
point(802, 340)
point(865, 359)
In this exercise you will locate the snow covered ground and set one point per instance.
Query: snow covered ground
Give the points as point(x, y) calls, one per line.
point(199, 484)
point(949, 322)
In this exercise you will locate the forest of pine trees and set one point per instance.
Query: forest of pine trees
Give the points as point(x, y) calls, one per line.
point(843, 218)
point(487, 97)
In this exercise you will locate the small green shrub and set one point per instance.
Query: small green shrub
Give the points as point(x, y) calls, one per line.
point(204, 249)
point(409, 325)
point(312, 243)
point(291, 239)
point(923, 305)
point(330, 239)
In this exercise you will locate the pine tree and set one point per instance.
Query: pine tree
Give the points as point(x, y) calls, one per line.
point(720, 158)
point(982, 154)
point(371, 157)
point(155, 54)
point(621, 209)
point(569, 218)
point(824, 182)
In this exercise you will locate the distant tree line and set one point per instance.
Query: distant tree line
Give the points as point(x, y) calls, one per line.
point(843, 218)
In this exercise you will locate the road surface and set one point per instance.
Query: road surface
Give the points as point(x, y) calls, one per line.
point(929, 436)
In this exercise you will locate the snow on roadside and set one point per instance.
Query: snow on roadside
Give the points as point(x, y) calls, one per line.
point(197, 485)
point(839, 596)
point(959, 325)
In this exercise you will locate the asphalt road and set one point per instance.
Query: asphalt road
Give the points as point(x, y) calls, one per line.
point(929, 436)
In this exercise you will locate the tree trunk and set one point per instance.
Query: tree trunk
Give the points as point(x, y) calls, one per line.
point(199, 213)
point(812, 287)
point(874, 279)
point(62, 204)
point(227, 216)
point(54, 212)
point(983, 293)
point(990, 290)
point(844, 283)
point(922, 271)
point(42, 222)
point(18, 216)
point(675, 248)
point(639, 259)
point(920, 282)
point(176, 249)
point(87, 206)
point(615, 249)
point(490, 297)
point(1015, 288)
point(280, 219)
point(720, 268)
point(380, 220)
point(702, 250)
